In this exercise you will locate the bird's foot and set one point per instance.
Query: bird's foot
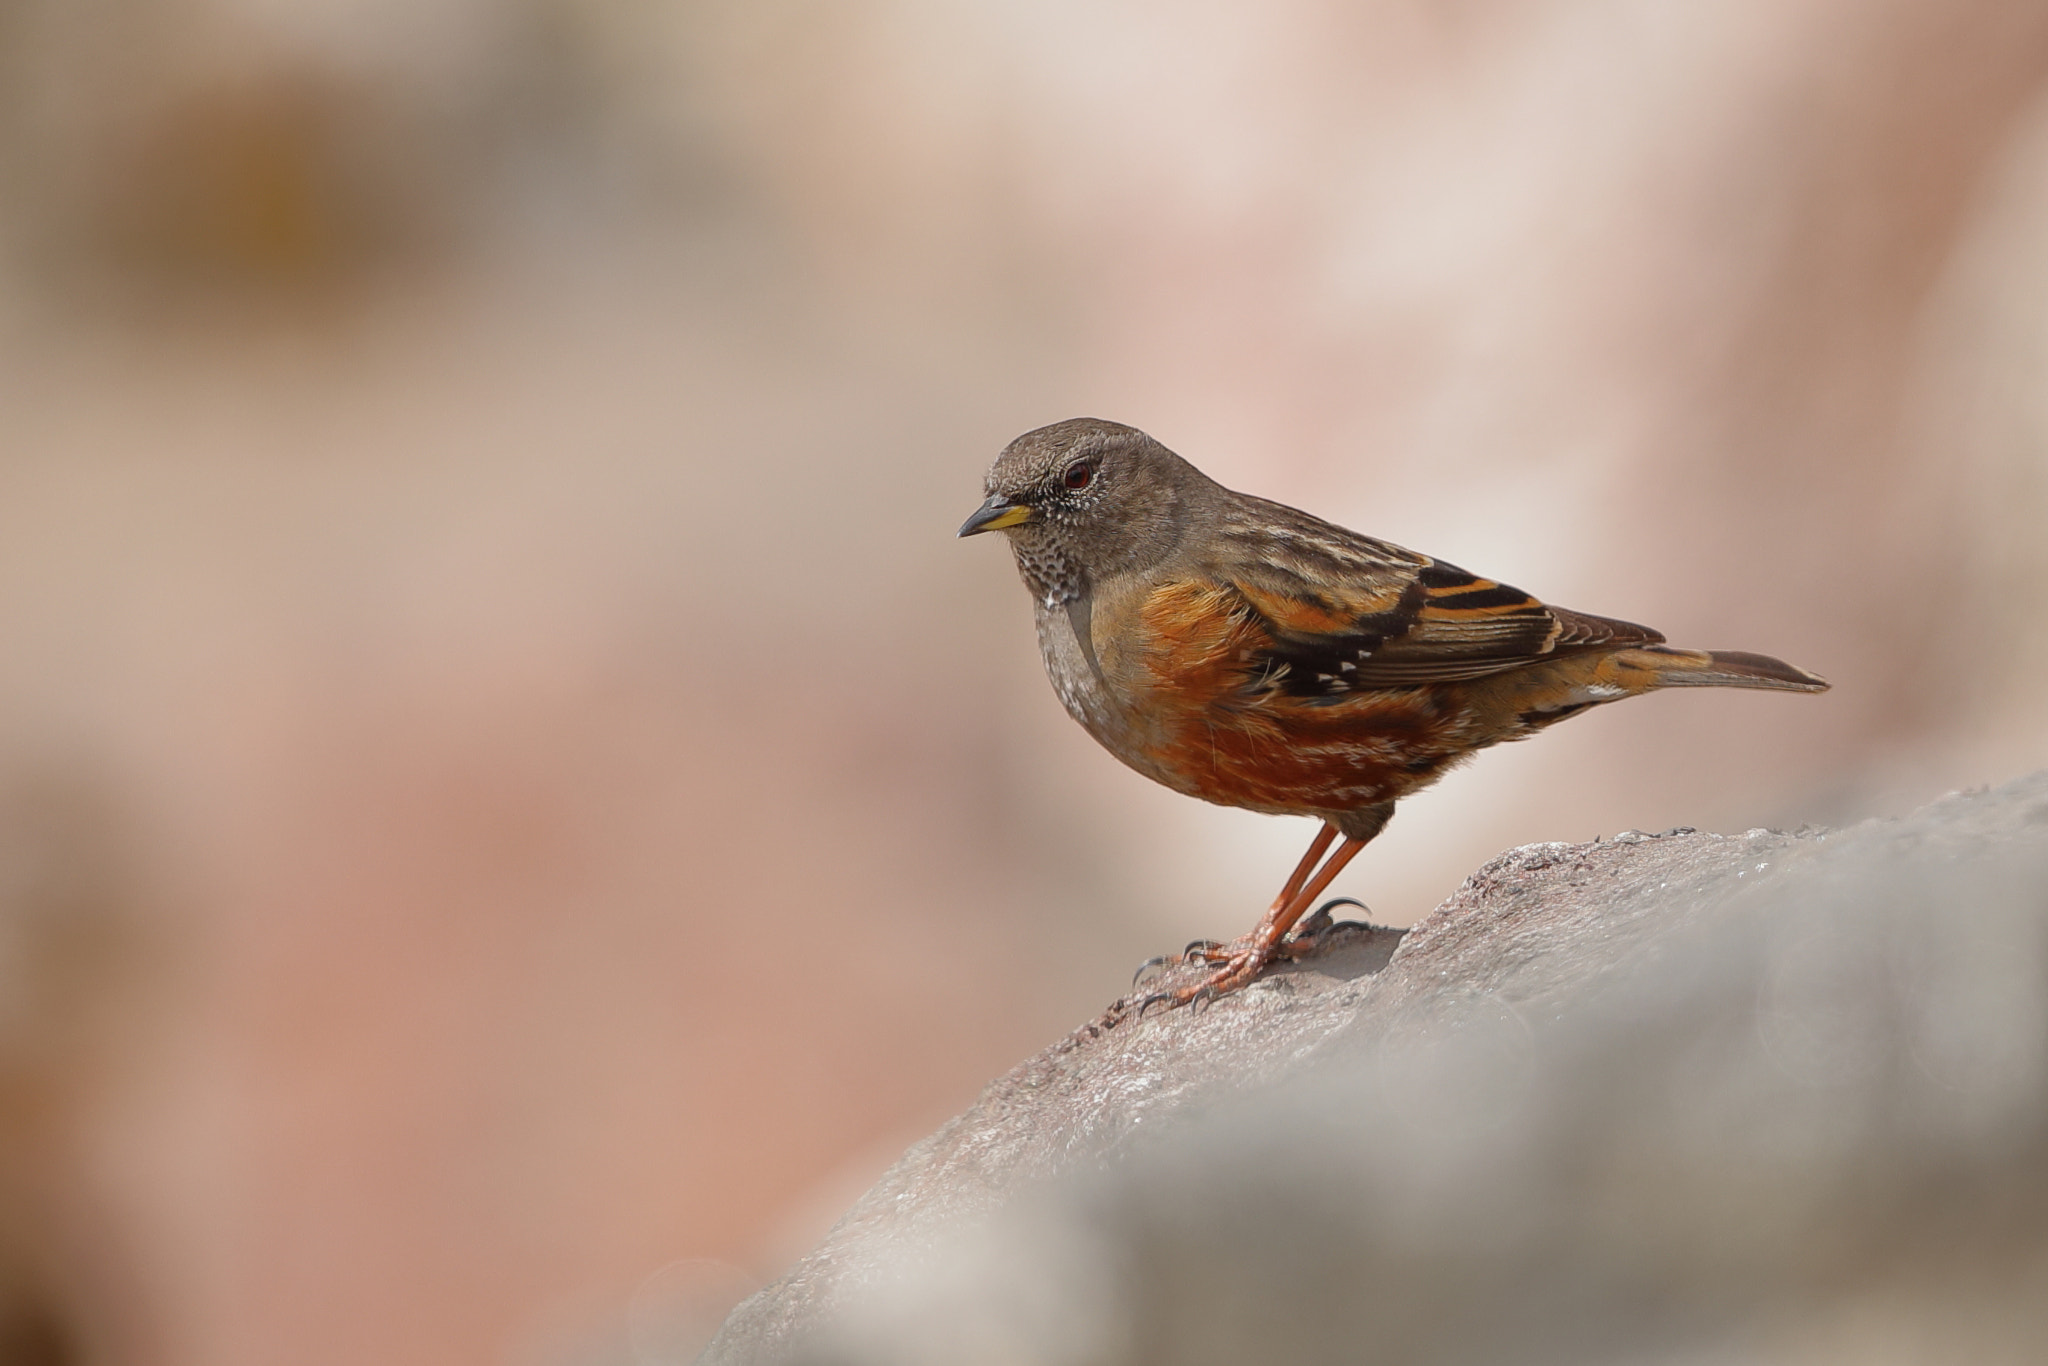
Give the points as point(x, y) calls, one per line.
point(1235, 965)
point(1238, 963)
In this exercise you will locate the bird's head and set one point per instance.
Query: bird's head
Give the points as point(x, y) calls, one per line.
point(1084, 499)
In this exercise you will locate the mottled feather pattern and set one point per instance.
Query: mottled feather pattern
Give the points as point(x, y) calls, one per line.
point(1320, 657)
point(1346, 612)
point(1256, 742)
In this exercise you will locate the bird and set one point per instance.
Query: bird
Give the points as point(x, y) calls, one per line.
point(1253, 655)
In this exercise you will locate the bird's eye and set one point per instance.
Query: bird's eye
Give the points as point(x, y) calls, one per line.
point(1077, 476)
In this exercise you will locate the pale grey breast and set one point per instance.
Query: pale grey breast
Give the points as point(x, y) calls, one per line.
point(1071, 666)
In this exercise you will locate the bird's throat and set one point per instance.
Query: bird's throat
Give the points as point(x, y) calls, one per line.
point(1049, 572)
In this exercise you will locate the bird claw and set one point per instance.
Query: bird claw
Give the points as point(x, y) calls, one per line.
point(1154, 999)
point(1312, 927)
point(1151, 965)
point(1200, 951)
point(1319, 923)
point(1197, 997)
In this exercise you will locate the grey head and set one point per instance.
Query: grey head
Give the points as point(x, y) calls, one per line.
point(1084, 499)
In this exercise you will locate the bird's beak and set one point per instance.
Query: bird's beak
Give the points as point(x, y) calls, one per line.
point(998, 512)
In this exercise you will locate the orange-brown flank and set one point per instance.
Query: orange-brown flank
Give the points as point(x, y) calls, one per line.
point(1231, 736)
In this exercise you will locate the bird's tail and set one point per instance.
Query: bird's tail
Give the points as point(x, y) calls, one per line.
point(1674, 668)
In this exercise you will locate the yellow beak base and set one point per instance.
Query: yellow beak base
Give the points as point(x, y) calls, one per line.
point(998, 512)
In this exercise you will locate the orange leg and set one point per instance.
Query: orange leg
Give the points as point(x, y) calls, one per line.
point(1316, 847)
point(1238, 963)
point(1298, 907)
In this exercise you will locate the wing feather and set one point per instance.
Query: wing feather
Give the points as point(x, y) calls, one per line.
point(1346, 612)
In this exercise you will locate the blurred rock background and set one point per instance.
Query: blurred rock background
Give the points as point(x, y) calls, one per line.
point(516, 806)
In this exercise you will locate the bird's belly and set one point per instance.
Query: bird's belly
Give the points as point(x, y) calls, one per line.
point(1269, 755)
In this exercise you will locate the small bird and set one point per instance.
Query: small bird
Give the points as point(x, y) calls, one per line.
point(1252, 655)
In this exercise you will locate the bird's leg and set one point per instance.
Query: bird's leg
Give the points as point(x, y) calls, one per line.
point(1209, 950)
point(1238, 963)
point(1273, 928)
point(1316, 849)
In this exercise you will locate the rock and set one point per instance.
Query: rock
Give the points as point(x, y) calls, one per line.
point(1655, 1098)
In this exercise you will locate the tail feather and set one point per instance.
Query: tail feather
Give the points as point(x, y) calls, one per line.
point(1727, 669)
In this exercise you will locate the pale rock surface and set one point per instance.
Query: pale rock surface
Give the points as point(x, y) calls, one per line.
point(1684, 1097)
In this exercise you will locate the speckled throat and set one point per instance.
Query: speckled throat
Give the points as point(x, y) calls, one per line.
point(1049, 572)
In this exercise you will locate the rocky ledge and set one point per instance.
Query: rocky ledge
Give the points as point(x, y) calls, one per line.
point(1674, 1097)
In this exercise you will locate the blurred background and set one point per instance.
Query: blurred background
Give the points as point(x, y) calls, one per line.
point(514, 807)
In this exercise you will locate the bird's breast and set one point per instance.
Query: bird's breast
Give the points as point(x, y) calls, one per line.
point(1072, 666)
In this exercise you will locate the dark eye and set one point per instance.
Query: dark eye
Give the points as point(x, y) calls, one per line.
point(1077, 476)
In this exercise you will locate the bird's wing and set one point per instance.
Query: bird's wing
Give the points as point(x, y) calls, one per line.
point(1346, 612)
